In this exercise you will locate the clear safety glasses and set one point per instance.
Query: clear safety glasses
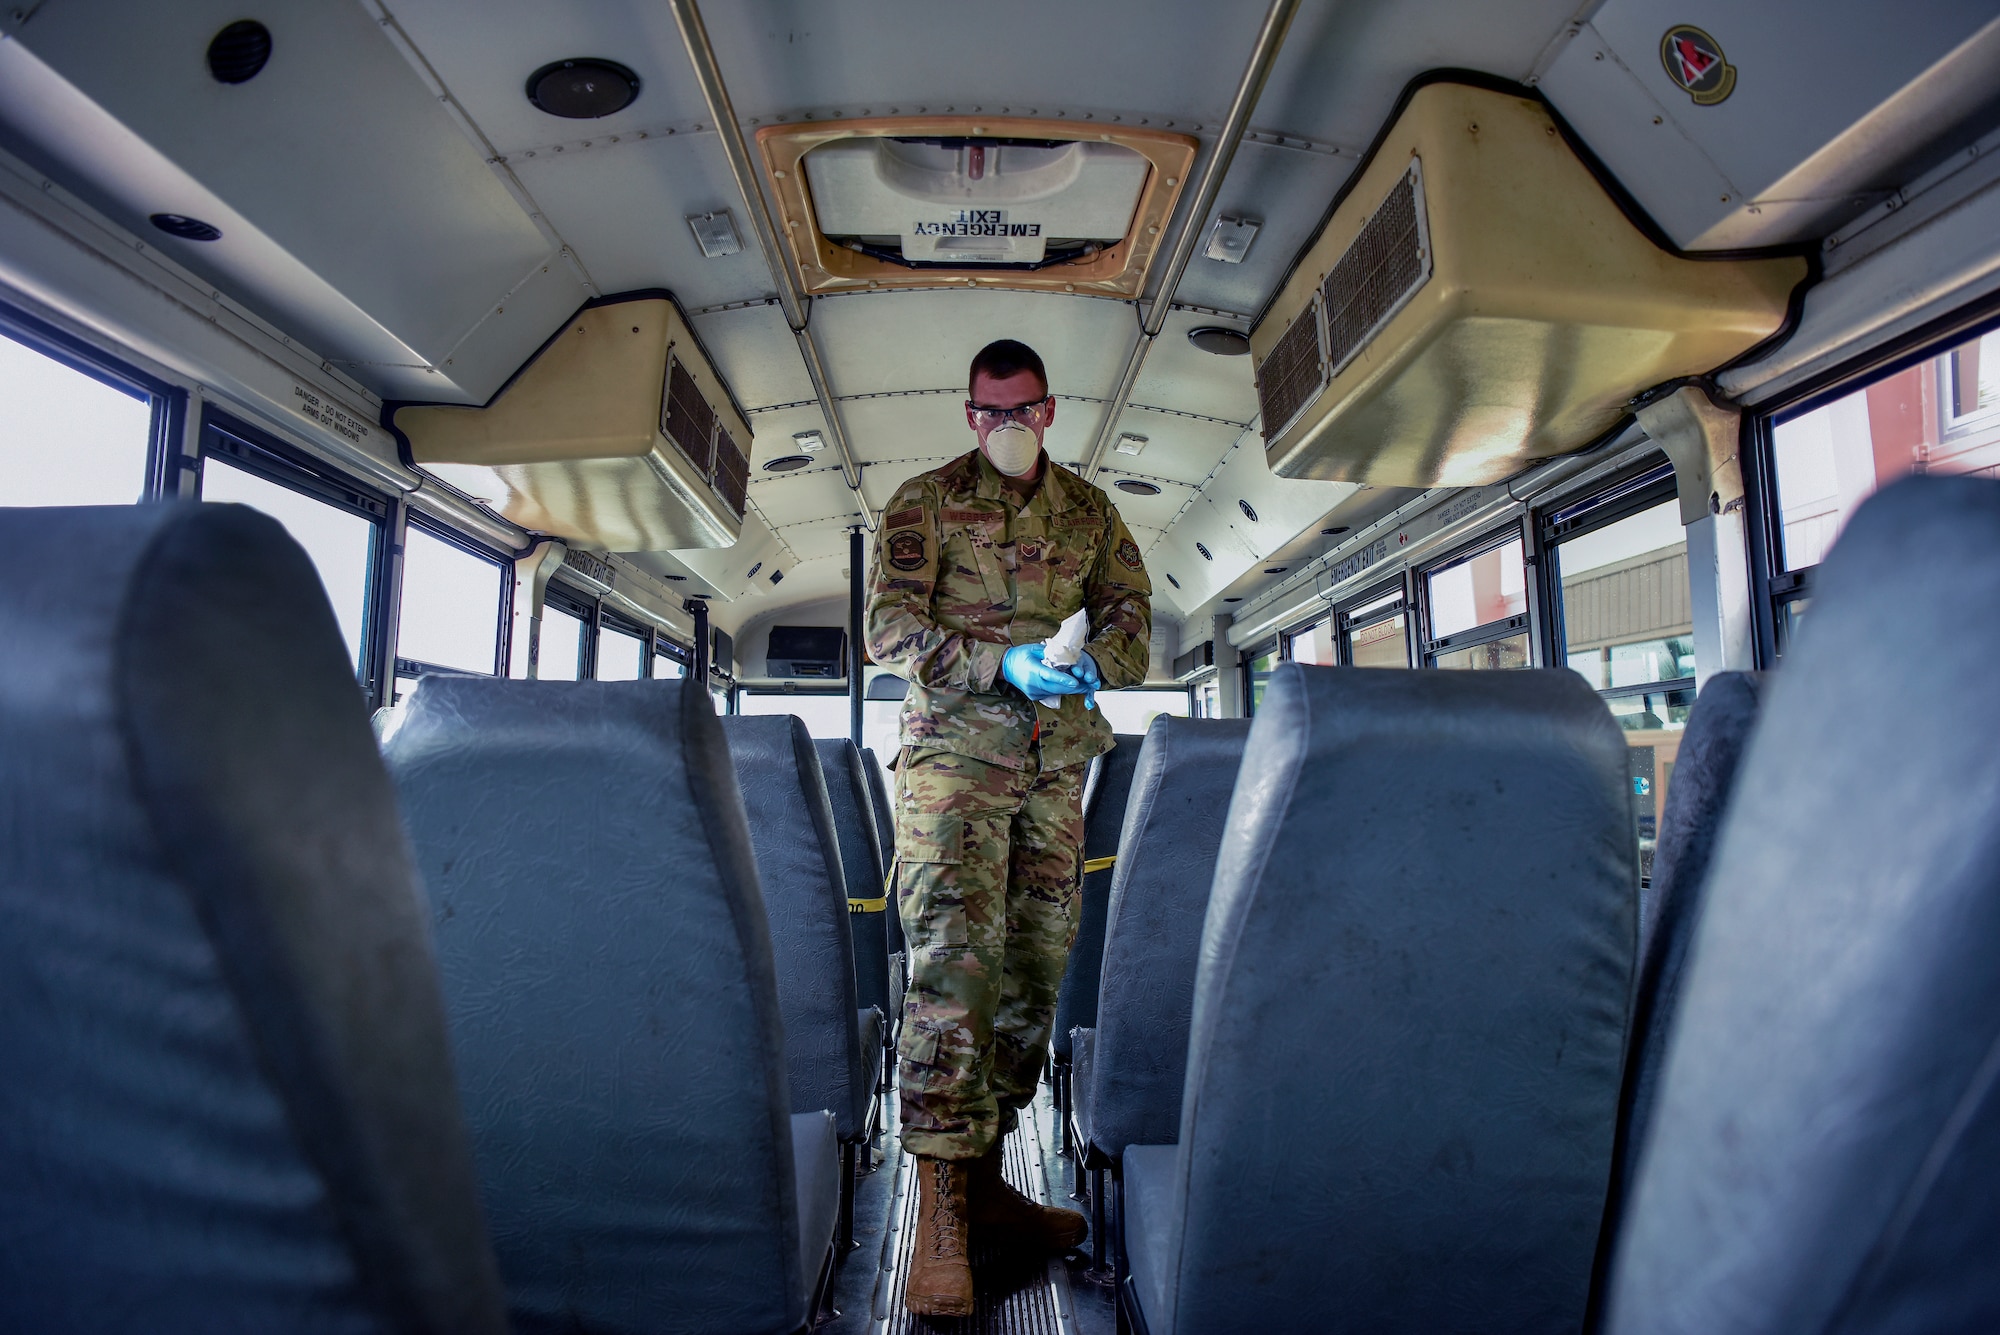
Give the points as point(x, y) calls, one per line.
point(1028, 414)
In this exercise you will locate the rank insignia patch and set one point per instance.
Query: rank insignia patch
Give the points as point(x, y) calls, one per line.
point(1128, 555)
point(906, 550)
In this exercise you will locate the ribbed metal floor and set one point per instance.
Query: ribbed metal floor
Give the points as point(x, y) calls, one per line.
point(1014, 1297)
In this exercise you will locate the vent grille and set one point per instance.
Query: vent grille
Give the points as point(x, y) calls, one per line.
point(732, 472)
point(687, 420)
point(1293, 375)
point(1383, 268)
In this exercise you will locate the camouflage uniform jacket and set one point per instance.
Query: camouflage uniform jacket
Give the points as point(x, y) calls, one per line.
point(961, 574)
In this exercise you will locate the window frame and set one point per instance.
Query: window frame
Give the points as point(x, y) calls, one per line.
point(582, 606)
point(1773, 590)
point(167, 430)
point(1428, 647)
point(1345, 623)
point(275, 460)
point(1274, 645)
point(624, 625)
point(1649, 482)
point(443, 532)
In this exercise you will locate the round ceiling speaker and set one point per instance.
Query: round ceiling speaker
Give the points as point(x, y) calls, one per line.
point(1133, 486)
point(787, 462)
point(1222, 342)
point(583, 89)
point(238, 53)
point(186, 228)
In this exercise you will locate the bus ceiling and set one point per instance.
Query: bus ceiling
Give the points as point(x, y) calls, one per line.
point(843, 209)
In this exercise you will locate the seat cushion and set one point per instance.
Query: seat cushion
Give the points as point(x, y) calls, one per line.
point(816, 1178)
point(1147, 1177)
point(1106, 789)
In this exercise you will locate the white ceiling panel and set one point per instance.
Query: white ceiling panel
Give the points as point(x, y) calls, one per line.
point(753, 349)
point(1180, 376)
point(623, 207)
point(931, 427)
point(1181, 448)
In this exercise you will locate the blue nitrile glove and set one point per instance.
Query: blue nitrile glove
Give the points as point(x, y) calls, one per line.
point(1085, 671)
point(1023, 666)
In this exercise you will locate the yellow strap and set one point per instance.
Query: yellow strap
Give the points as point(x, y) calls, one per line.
point(1099, 864)
point(868, 905)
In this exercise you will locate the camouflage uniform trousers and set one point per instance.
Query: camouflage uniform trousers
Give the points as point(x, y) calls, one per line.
point(986, 884)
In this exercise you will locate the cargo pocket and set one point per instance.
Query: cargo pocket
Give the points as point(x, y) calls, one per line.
point(931, 837)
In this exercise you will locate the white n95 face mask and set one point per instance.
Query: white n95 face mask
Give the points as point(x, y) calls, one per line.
point(1012, 448)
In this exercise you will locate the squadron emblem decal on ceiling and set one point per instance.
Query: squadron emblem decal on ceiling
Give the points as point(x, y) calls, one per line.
point(1695, 63)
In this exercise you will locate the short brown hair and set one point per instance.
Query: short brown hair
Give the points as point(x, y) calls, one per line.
point(1004, 357)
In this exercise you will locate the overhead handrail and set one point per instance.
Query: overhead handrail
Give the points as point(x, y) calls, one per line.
point(791, 298)
point(1262, 57)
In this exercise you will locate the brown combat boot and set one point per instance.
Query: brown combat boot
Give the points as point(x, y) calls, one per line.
point(940, 1282)
point(1017, 1220)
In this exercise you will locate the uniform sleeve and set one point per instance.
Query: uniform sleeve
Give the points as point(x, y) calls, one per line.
point(900, 626)
point(1120, 599)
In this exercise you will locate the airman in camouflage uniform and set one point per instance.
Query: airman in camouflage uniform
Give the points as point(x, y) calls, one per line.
point(989, 822)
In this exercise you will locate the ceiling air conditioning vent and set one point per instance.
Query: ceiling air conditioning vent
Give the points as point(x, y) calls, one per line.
point(1380, 272)
point(1292, 375)
point(732, 472)
point(686, 419)
point(1484, 303)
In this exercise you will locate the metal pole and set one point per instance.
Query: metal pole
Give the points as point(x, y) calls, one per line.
point(1262, 57)
point(796, 305)
point(857, 573)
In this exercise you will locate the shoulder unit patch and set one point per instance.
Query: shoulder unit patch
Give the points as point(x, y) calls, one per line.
point(1128, 555)
point(906, 550)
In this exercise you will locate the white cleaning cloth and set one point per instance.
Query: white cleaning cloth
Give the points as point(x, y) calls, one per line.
point(1061, 649)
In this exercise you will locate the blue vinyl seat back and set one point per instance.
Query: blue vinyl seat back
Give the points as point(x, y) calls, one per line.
point(226, 1100)
point(1172, 834)
point(1103, 817)
point(885, 830)
point(1705, 770)
point(1826, 1151)
point(613, 1000)
point(861, 864)
point(805, 890)
point(1410, 1019)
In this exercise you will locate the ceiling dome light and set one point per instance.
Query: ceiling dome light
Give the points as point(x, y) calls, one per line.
point(785, 463)
point(1205, 554)
point(237, 54)
point(1133, 486)
point(583, 89)
point(1171, 580)
point(1331, 532)
point(1212, 338)
point(1248, 513)
point(1276, 570)
point(186, 228)
point(1236, 599)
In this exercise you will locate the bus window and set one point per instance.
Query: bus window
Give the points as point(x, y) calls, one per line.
point(450, 615)
point(560, 657)
point(1312, 645)
point(669, 660)
point(621, 653)
point(67, 438)
point(1377, 631)
point(1478, 607)
point(341, 543)
point(1133, 710)
point(826, 716)
point(1206, 698)
point(1940, 416)
point(1627, 628)
point(1257, 671)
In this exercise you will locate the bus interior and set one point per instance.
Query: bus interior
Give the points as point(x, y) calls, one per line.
point(1611, 954)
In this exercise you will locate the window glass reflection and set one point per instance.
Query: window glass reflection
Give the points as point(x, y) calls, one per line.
point(666, 665)
point(340, 542)
point(65, 438)
point(1314, 644)
point(1627, 619)
point(1508, 652)
point(559, 657)
point(621, 656)
point(1133, 711)
point(1940, 416)
point(1260, 675)
point(451, 604)
point(1491, 586)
